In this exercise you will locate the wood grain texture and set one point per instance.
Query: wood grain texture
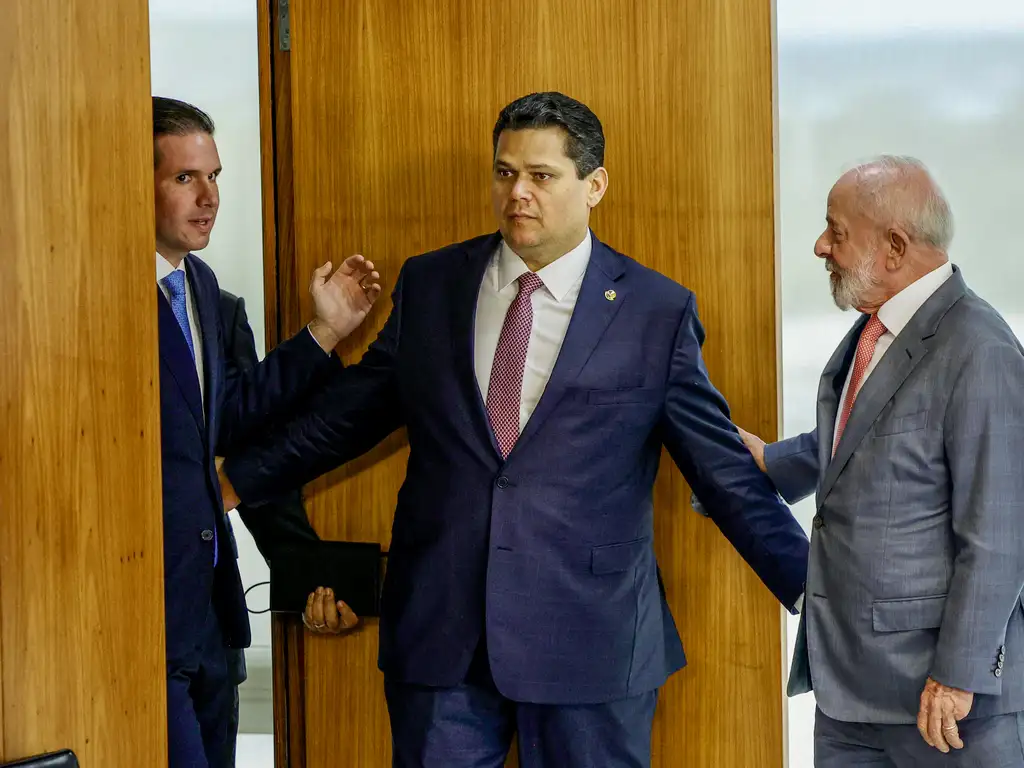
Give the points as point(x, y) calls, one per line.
point(392, 107)
point(278, 249)
point(282, 723)
point(267, 65)
point(81, 564)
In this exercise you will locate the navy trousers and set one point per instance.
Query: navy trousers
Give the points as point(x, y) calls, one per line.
point(472, 726)
point(200, 704)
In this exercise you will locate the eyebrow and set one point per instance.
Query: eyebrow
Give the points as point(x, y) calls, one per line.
point(197, 172)
point(530, 166)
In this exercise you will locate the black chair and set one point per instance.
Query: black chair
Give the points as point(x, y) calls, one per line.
point(63, 759)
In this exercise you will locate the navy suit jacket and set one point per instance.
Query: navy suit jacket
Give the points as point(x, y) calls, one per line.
point(549, 552)
point(278, 523)
point(235, 407)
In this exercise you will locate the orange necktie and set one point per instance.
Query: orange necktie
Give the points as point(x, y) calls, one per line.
point(869, 337)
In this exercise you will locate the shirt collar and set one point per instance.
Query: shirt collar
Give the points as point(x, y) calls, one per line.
point(558, 277)
point(164, 268)
point(898, 311)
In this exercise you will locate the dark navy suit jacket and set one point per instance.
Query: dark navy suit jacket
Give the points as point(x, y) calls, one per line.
point(549, 552)
point(236, 407)
point(279, 523)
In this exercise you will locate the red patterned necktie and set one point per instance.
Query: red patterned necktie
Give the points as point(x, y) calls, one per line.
point(505, 391)
point(869, 337)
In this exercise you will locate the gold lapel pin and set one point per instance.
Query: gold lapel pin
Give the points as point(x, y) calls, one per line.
point(610, 295)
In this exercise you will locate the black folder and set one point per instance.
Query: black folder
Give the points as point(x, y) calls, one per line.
point(352, 569)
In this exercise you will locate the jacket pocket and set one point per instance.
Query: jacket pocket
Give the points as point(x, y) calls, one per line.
point(898, 425)
point(907, 614)
point(616, 558)
point(622, 396)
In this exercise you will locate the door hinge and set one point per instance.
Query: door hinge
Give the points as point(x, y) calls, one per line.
point(284, 26)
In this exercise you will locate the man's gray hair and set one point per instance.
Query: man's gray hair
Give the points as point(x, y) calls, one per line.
point(900, 190)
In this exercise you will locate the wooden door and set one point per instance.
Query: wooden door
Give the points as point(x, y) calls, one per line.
point(378, 140)
point(81, 556)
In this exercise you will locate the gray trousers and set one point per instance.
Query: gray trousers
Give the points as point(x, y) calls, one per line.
point(989, 742)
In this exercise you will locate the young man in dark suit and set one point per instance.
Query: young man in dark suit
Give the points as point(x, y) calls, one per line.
point(204, 404)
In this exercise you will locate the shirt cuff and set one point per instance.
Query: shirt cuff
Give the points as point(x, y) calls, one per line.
point(310, 332)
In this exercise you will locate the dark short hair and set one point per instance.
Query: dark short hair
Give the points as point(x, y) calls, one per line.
point(584, 143)
point(177, 118)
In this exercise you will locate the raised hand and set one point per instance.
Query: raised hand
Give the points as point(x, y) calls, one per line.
point(343, 299)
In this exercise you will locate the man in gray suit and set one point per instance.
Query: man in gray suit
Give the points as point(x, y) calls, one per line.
point(912, 610)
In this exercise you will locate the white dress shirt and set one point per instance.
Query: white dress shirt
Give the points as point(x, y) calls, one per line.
point(163, 269)
point(553, 306)
point(895, 314)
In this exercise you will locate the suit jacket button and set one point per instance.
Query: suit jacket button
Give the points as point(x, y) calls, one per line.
point(207, 535)
point(818, 522)
point(998, 672)
point(502, 482)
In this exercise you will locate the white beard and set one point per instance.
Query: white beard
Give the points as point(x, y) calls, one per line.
point(850, 287)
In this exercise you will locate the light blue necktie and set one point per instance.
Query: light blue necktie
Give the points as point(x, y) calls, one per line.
point(175, 284)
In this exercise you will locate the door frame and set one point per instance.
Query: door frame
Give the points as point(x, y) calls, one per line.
point(281, 315)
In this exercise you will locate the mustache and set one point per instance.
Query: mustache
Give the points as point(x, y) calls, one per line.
point(833, 268)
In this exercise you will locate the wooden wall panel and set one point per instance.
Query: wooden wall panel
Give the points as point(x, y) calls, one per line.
point(392, 106)
point(81, 574)
point(279, 265)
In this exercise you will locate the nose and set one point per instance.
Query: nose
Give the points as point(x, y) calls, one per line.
point(209, 195)
point(521, 189)
point(822, 247)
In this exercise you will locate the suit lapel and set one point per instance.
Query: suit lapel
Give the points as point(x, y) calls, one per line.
point(890, 373)
point(207, 310)
point(175, 354)
point(465, 292)
point(593, 313)
point(896, 365)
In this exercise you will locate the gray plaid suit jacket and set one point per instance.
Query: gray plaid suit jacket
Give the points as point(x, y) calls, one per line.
point(917, 548)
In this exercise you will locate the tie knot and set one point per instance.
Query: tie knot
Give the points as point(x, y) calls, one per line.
point(175, 283)
point(874, 329)
point(528, 283)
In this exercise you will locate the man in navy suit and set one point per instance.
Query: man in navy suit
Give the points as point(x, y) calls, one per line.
point(538, 373)
point(203, 405)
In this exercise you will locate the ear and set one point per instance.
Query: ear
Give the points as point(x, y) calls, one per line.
point(598, 185)
point(897, 242)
